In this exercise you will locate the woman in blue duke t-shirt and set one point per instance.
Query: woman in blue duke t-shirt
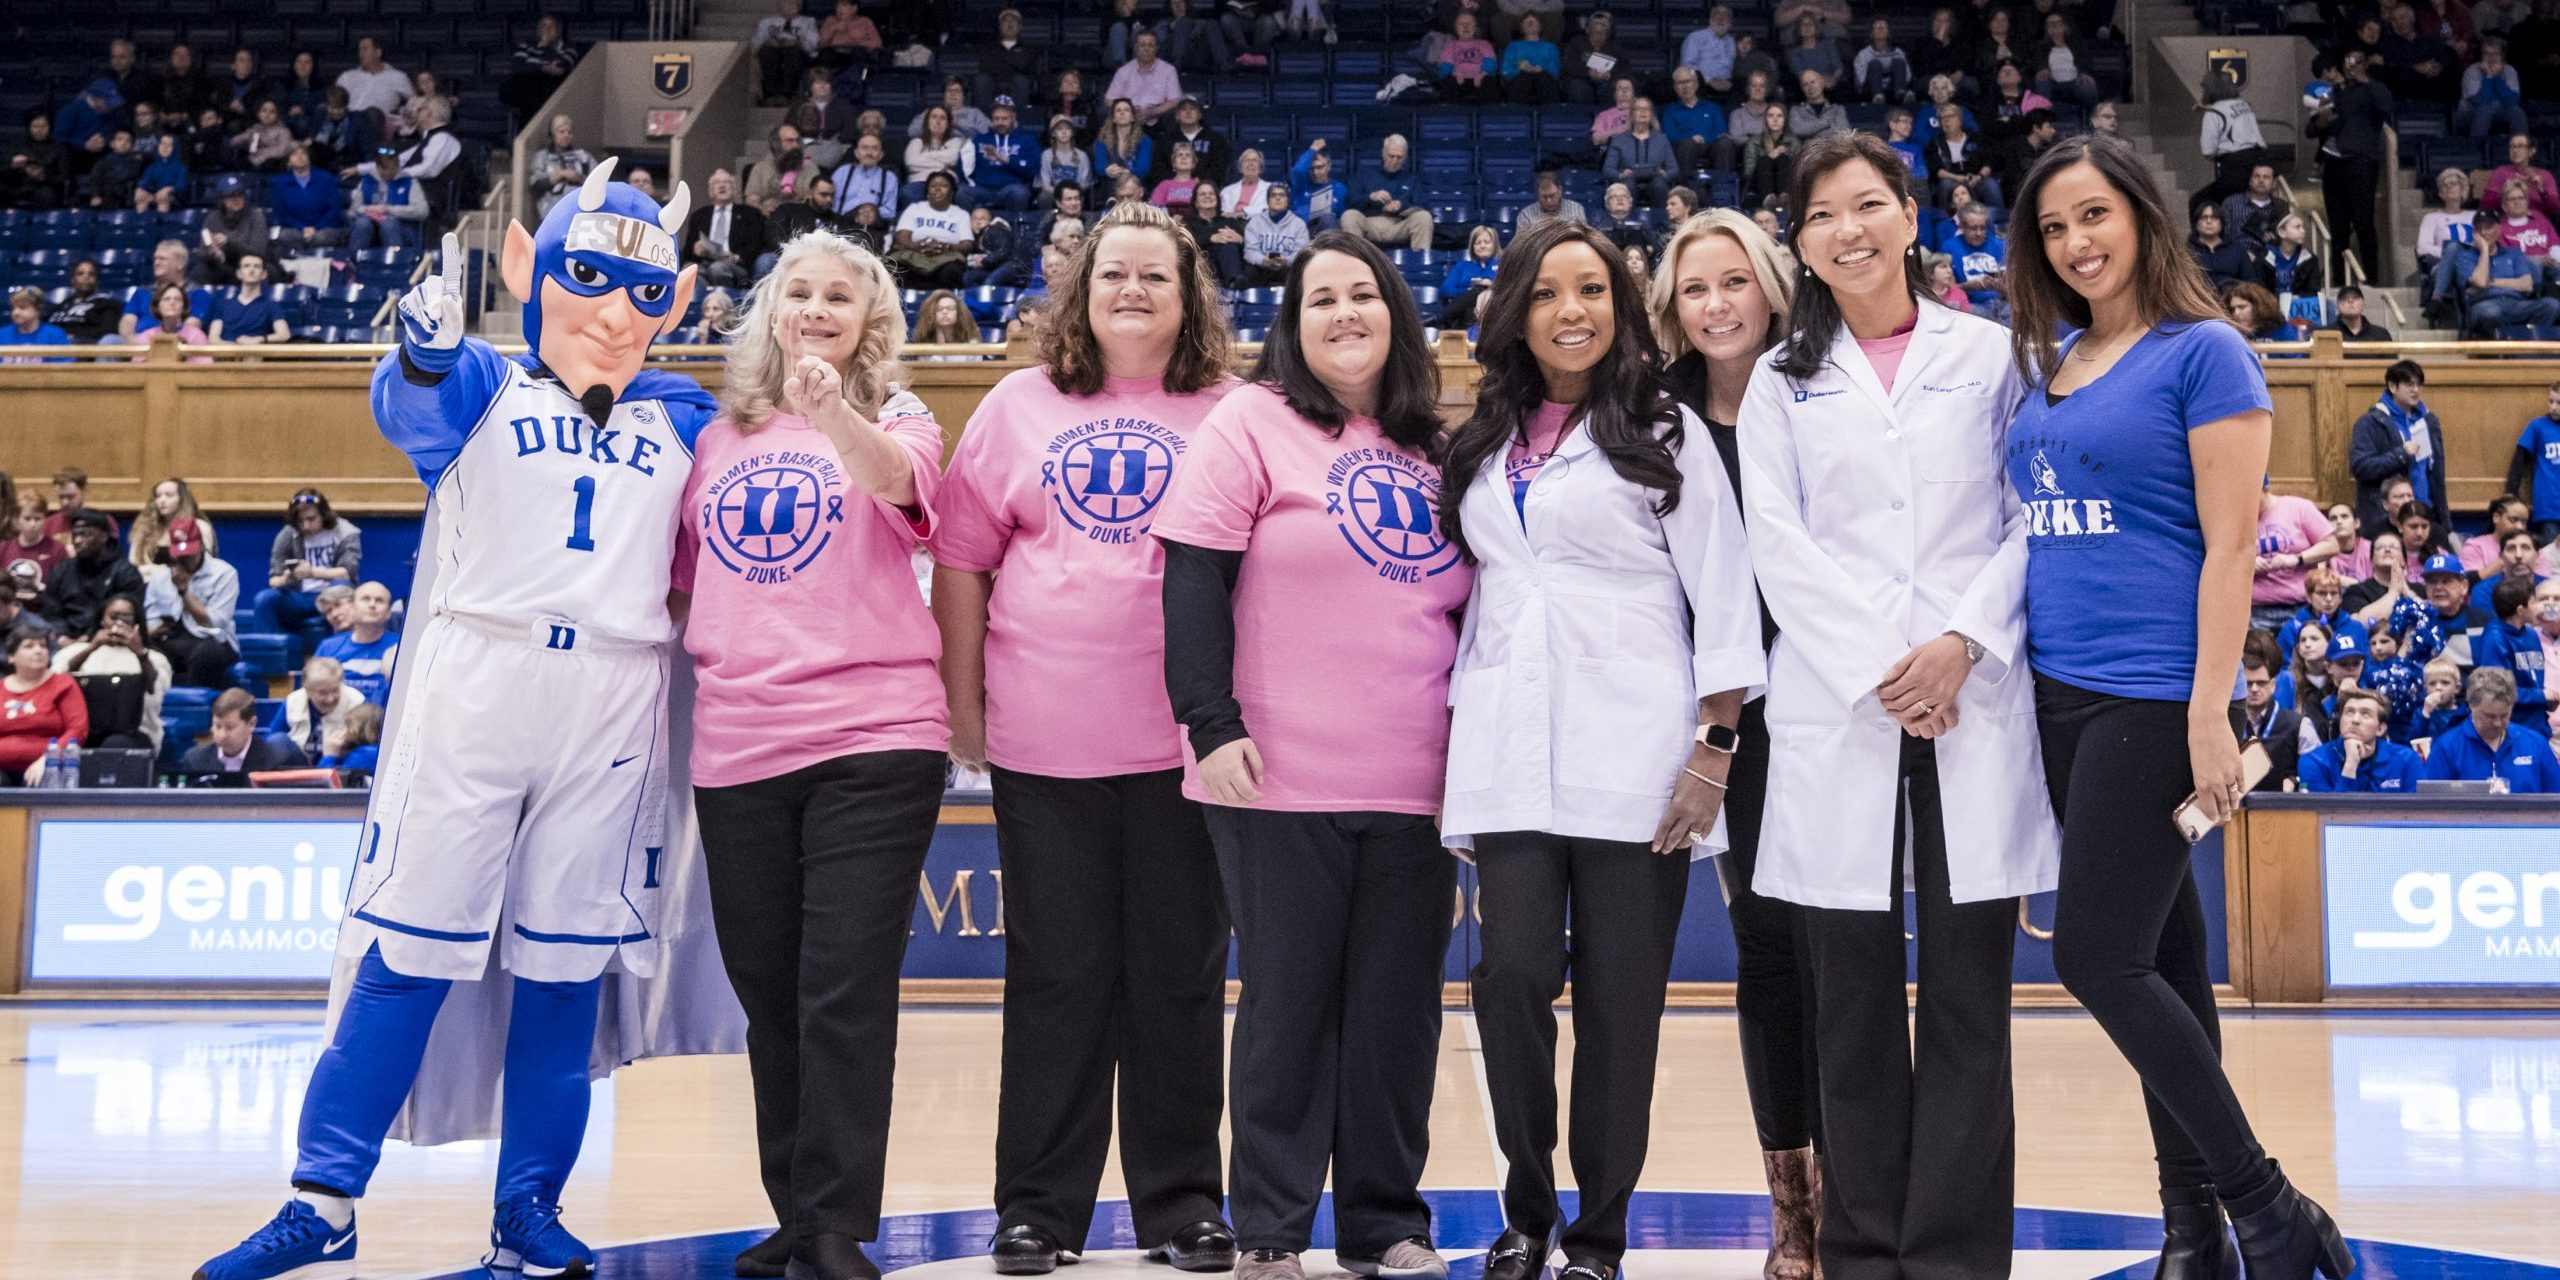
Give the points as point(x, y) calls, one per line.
point(2139, 455)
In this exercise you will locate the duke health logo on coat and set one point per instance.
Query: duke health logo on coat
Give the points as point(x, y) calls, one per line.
point(1106, 476)
point(1388, 508)
point(770, 516)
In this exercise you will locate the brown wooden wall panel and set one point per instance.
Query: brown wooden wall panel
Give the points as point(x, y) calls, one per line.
point(2283, 932)
point(92, 418)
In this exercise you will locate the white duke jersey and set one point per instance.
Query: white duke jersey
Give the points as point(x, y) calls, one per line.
point(543, 515)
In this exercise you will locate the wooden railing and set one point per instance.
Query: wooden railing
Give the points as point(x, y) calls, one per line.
point(250, 424)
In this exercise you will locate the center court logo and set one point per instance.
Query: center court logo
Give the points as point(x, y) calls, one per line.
point(771, 516)
point(1105, 477)
point(1387, 507)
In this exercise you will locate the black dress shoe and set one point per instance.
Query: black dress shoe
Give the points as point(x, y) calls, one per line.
point(1202, 1246)
point(2194, 1245)
point(1515, 1255)
point(1024, 1251)
point(2290, 1238)
point(831, 1257)
point(766, 1258)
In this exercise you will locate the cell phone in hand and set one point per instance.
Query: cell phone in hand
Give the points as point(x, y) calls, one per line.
point(2189, 816)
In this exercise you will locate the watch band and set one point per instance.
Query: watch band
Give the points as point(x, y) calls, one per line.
point(1973, 651)
point(1718, 737)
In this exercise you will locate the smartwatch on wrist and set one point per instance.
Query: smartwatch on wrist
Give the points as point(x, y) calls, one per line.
point(1719, 737)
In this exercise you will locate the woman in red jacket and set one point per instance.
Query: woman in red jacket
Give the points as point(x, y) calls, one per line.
point(37, 705)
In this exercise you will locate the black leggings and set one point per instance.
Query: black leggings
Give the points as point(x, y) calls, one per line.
point(1773, 984)
point(2129, 931)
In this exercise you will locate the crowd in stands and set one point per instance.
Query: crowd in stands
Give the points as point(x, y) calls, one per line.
point(113, 626)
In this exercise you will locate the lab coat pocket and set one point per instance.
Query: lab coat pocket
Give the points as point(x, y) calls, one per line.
point(1955, 450)
point(1475, 727)
point(1624, 726)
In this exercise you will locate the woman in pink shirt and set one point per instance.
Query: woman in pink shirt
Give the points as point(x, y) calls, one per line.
point(818, 725)
point(1309, 632)
point(1050, 596)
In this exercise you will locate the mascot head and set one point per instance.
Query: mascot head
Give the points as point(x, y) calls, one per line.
point(599, 282)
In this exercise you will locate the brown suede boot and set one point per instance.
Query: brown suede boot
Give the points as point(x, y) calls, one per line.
point(1795, 1207)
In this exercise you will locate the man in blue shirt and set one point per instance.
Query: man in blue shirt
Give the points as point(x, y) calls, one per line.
point(1709, 51)
point(1386, 209)
point(250, 311)
point(2513, 643)
point(1006, 161)
point(2491, 745)
point(27, 327)
point(2534, 473)
point(1320, 199)
point(366, 651)
point(2498, 287)
point(1981, 262)
point(2360, 759)
point(2446, 623)
point(305, 208)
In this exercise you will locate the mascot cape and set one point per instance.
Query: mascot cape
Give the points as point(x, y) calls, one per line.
point(686, 1006)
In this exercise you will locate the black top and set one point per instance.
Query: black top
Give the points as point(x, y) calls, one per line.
point(1747, 783)
point(1200, 643)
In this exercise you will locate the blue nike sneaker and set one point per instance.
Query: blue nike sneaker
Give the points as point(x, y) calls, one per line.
point(526, 1236)
point(298, 1244)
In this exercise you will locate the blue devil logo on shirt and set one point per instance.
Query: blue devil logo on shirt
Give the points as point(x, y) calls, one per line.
point(772, 515)
point(1388, 509)
point(2052, 513)
point(1105, 477)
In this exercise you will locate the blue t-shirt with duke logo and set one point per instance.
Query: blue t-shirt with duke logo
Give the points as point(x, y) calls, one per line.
point(2541, 439)
point(2114, 544)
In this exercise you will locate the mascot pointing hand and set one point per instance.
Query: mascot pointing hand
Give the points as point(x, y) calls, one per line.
point(519, 820)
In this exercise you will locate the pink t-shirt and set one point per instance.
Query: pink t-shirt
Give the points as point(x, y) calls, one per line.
point(1545, 430)
point(1053, 494)
point(1345, 609)
point(1884, 354)
point(809, 638)
point(2286, 526)
point(2531, 234)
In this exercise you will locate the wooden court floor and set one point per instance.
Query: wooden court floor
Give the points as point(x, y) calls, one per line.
point(147, 1138)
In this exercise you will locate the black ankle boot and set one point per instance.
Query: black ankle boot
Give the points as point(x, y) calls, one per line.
point(2195, 1247)
point(2291, 1238)
point(766, 1259)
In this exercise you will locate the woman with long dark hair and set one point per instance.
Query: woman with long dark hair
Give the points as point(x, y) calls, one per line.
point(1891, 553)
point(1049, 593)
point(1608, 647)
point(2170, 447)
point(1720, 302)
point(1309, 602)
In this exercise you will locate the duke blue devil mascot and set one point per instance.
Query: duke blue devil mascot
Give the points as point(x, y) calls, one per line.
point(518, 821)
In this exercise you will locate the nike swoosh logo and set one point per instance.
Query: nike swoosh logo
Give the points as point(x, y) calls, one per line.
point(623, 761)
point(332, 1246)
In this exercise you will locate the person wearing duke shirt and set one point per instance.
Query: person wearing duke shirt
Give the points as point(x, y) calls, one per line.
point(2360, 759)
point(1610, 642)
point(2152, 425)
point(1891, 552)
point(2491, 745)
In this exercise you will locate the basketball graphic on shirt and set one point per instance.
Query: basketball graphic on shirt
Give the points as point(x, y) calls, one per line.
point(771, 515)
point(1110, 473)
point(1388, 508)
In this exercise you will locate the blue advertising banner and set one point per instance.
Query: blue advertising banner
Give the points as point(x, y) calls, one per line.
point(2428, 906)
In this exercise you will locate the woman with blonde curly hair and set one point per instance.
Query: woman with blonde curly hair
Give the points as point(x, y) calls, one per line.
point(1050, 596)
point(809, 495)
point(170, 500)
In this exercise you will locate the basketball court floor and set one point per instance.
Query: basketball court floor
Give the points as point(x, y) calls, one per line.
point(150, 1137)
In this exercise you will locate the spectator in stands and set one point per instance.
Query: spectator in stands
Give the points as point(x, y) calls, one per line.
point(2508, 513)
point(2254, 311)
point(558, 168)
point(934, 146)
point(2350, 124)
point(249, 311)
point(1321, 199)
point(1189, 40)
point(2029, 137)
point(96, 570)
point(2000, 60)
point(2361, 759)
point(1814, 113)
point(1551, 204)
point(182, 90)
point(1695, 125)
point(1941, 94)
point(124, 72)
point(1641, 157)
point(2415, 63)
point(719, 315)
point(2291, 271)
point(355, 746)
point(638, 179)
point(1272, 238)
point(85, 124)
point(2521, 226)
point(1004, 165)
point(2293, 536)
point(991, 247)
point(1709, 51)
point(20, 591)
point(1069, 99)
point(2512, 641)
point(300, 92)
point(942, 318)
point(1174, 192)
point(171, 322)
point(2514, 564)
point(1614, 118)
point(1532, 69)
point(1120, 35)
point(2495, 743)
point(2225, 260)
point(1591, 58)
point(1243, 197)
point(411, 123)
point(1809, 50)
point(70, 497)
point(784, 44)
point(38, 168)
point(2061, 64)
point(233, 229)
point(2499, 16)
point(368, 649)
point(318, 708)
point(1942, 52)
point(2283, 731)
point(316, 549)
point(374, 86)
point(1011, 66)
point(2354, 561)
point(1387, 211)
point(723, 237)
point(40, 707)
point(187, 603)
point(1122, 148)
point(386, 210)
point(1626, 226)
point(1148, 82)
point(2543, 193)
point(340, 140)
point(865, 180)
point(1980, 259)
point(1063, 164)
point(1882, 71)
point(237, 746)
point(1468, 65)
point(2419, 529)
point(822, 123)
point(1191, 132)
point(2398, 437)
point(434, 148)
point(2448, 223)
point(2323, 596)
point(537, 68)
point(306, 211)
point(1768, 157)
point(116, 648)
point(111, 182)
point(165, 179)
point(1956, 160)
point(27, 327)
point(31, 555)
point(2444, 623)
point(2252, 212)
point(265, 141)
point(1508, 13)
point(2497, 287)
point(1220, 237)
point(2351, 323)
point(932, 238)
point(966, 120)
point(2492, 94)
point(813, 211)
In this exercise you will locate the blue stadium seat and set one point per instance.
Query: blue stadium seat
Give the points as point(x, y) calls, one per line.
point(990, 333)
point(1505, 129)
point(1298, 64)
point(1365, 65)
point(266, 655)
point(120, 229)
point(57, 229)
point(989, 303)
point(1250, 335)
point(1240, 91)
point(1292, 92)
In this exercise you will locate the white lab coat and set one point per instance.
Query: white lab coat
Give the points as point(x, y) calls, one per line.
point(1877, 523)
point(1590, 636)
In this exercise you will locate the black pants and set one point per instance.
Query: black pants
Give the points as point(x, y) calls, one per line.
point(2351, 185)
point(2129, 930)
point(1115, 968)
point(1342, 922)
point(1773, 980)
point(195, 660)
point(1920, 1143)
point(813, 884)
point(1621, 902)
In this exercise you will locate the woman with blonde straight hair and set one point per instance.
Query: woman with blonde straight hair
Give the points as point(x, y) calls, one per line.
point(1720, 301)
point(808, 497)
point(171, 499)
